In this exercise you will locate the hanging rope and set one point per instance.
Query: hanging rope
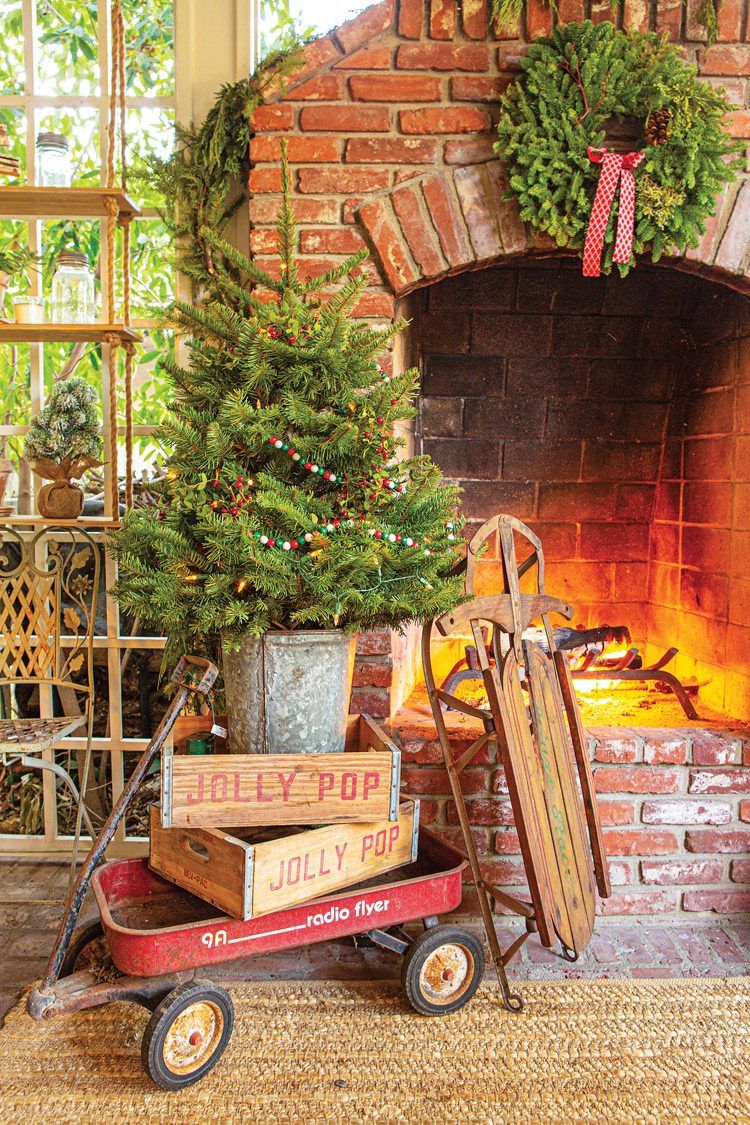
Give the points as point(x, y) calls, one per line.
point(129, 348)
point(117, 108)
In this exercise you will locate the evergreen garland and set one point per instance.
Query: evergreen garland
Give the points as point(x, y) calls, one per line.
point(284, 505)
point(507, 13)
point(571, 84)
point(200, 181)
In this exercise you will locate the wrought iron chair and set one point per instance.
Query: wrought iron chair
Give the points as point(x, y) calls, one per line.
point(49, 586)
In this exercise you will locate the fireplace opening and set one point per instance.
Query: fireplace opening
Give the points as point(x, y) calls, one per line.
point(613, 416)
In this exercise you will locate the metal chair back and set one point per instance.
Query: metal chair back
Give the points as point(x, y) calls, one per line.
point(49, 587)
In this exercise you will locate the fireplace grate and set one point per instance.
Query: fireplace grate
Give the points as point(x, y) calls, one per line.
point(590, 659)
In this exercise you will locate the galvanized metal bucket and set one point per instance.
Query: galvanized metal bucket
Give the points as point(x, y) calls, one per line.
point(288, 692)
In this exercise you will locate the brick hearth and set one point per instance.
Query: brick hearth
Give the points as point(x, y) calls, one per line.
point(613, 415)
point(673, 804)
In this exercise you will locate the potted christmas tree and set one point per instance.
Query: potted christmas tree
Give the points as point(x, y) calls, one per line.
point(62, 443)
point(287, 524)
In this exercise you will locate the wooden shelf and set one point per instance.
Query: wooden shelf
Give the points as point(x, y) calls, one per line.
point(11, 333)
point(19, 202)
point(82, 521)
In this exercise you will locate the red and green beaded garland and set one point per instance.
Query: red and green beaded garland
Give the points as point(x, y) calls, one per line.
point(334, 525)
point(327, 474)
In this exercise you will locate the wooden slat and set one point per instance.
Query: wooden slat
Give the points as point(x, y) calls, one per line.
point(580, 749)
point(24, 201)
point(65, 333)
point(498, 609)
point(333, 858)
point(526, 790)
point(564, 811)
point(208, 863)
point(238, 790)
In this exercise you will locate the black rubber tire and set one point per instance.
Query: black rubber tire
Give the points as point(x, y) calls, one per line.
point(159, 1026)
point(417, 957)
point(82, 937)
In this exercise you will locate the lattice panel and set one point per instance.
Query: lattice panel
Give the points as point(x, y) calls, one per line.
point(28, 626)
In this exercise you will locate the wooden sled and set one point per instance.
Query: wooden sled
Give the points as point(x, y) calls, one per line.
point(542, 749)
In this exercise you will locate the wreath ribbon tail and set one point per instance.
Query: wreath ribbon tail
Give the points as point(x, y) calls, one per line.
point(626, 212)
point(617, 168)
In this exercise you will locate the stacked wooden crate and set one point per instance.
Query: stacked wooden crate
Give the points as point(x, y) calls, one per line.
point(254, 833)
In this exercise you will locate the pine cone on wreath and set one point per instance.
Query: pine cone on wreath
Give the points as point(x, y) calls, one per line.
point(656, 131)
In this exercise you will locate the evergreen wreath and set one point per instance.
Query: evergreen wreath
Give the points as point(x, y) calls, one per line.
point(572, 84)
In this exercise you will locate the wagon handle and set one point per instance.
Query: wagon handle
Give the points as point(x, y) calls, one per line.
point(42, 999)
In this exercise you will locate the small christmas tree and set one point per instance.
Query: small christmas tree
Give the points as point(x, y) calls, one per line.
point(284, 505)
point(64, 438)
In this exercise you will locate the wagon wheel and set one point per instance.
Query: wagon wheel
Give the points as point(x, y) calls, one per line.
point(187, 1034)
point(442, 970)
point(80, 942)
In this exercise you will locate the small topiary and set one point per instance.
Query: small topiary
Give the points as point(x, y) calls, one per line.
point(64, 439)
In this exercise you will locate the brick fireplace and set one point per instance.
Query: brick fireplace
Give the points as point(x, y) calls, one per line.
point(612, 415)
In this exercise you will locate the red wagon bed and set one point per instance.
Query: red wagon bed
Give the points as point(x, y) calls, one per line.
point(152, 927)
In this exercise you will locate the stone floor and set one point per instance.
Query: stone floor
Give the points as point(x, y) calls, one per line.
point(31, 898)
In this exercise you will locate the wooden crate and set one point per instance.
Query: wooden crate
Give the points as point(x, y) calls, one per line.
point(260, 870)
point(243, 790)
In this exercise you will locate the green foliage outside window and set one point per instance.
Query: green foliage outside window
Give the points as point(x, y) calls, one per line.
point(68, 48)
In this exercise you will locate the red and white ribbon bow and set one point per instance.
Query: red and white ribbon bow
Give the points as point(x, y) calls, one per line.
point(616, 167)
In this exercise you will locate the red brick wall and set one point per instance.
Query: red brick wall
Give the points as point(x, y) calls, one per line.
point(541, 397)
point(700, 540)
point(674, 810)
point(391, 120)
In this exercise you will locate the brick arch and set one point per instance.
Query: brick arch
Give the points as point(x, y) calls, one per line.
point(391, 120)
point(456, 219)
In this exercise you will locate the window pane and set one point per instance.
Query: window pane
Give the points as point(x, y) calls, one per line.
point(151, 269)
point(84, 360)
point(152, 391)
point(68, 47)
point(11, 47)
point(21, 803)
point(309, 17)
point(72, 234)
point(149, 47)
point(150, 133)
point(14, 235)
point(14, 392)
point(148, 458)
point(98, 789)
point(81, 127)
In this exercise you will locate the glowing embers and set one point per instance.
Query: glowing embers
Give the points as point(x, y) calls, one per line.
point(599, 663)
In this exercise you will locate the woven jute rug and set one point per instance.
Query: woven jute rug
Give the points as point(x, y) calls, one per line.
point(581, 1051)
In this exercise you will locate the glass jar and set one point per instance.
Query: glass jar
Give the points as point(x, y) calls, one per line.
point(53, 166)
point(73, 289)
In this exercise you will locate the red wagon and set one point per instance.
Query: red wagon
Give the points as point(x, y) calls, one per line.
point(164, 943)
